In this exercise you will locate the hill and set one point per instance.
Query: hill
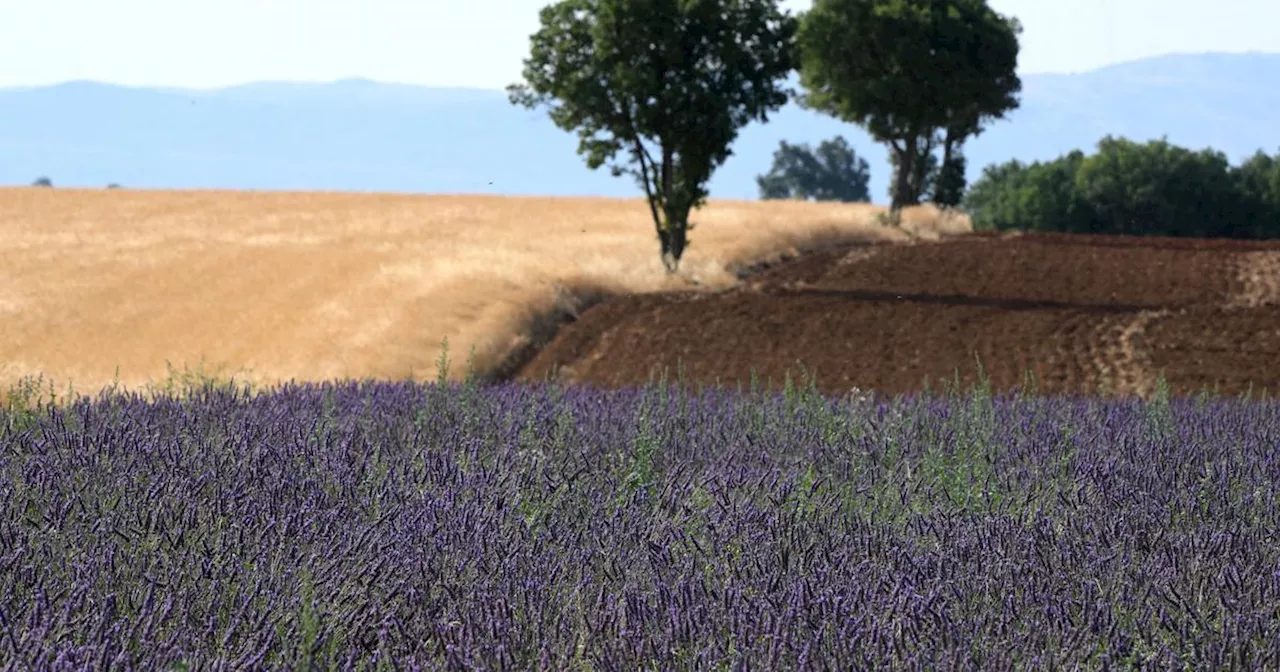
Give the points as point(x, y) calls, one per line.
point(360, 135)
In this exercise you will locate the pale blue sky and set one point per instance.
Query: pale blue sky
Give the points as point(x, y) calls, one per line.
point(480, 43)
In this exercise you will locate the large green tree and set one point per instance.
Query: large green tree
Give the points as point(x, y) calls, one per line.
point(918, 75)
point(666, 84)
point(832, 172)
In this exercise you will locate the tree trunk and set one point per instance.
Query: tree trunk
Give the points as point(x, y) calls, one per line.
point(675, 237)
point(905, 160)
point(664, 238)
point(947, 143)
point(924, 167)
point(679, 235)
point(668, 162)
point(949, 186)
point(942, 187)
point(671, 234)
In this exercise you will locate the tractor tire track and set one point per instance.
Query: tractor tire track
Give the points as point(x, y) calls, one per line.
point(1121, 365)
point(1258, 274)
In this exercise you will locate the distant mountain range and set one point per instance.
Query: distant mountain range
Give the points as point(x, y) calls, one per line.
point(362, 135)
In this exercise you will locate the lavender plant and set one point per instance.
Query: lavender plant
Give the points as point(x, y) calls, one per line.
point(401, 526)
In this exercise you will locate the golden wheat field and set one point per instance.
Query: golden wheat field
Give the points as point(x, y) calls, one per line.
point(125, 286)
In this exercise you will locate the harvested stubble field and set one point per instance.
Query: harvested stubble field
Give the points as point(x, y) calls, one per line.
point(316, 286)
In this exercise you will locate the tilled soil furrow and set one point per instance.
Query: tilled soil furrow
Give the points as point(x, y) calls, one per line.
point(1085, 314)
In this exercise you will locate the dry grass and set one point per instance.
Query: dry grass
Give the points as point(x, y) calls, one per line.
point(311, 286)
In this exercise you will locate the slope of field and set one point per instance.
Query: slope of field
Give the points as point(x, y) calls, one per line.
point(314, 286)
point(1085, 314)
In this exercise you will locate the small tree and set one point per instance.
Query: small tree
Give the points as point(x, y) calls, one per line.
point(917, 74)
point(668, 83)
point(42, 182)
point(834, 172)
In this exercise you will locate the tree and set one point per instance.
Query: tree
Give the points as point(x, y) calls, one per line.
point(1259, 175)
point(42, 182)
point(666, 83)
point(833, 172)
point(1258, 181)
point(916, 74)
point(1160, 188)
point(1036, 197)
point(992, 202)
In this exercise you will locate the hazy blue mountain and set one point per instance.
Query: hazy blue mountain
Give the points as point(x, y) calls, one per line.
point(362, 135)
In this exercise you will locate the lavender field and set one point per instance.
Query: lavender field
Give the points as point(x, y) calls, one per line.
point(407, 526)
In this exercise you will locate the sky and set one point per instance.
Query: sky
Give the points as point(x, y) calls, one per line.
point(480, 43)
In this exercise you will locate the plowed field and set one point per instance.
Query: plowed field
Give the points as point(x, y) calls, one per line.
point(1084, 314)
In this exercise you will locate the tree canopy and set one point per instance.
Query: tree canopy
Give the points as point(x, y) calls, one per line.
point(916, 74)
point(832, 172)
point(1126, 187)
point(666, 84)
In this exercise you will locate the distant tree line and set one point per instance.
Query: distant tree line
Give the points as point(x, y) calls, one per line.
point(1126, 187)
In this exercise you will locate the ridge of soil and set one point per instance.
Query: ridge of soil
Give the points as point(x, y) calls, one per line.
point(1086, 314)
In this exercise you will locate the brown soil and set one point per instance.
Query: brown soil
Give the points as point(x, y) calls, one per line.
point(1084, 314)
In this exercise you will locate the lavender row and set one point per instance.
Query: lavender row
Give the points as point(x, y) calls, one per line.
point(401, 526)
